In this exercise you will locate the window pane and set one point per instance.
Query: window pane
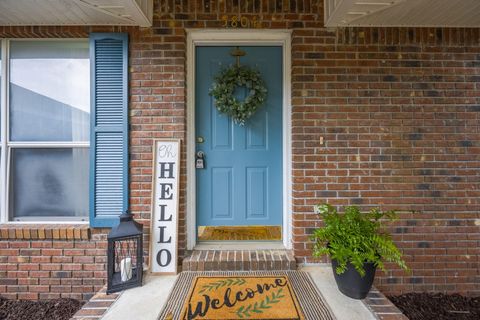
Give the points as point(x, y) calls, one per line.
point(49, 91)
point(49, 183)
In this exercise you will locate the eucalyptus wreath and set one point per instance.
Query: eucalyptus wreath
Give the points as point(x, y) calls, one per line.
point(223, 88)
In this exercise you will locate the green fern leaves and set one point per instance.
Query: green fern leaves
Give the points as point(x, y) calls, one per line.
point(355, 237)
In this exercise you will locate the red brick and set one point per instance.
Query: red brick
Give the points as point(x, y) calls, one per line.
point(28, 296)
point(73, 252)
point(52, 252)
point(39, 288)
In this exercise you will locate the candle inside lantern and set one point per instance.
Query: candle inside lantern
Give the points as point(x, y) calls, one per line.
point(126, 269)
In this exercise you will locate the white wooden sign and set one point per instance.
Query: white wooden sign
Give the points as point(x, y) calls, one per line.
point(164, 219)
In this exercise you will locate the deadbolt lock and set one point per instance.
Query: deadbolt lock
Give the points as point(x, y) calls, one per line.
point(200, 160)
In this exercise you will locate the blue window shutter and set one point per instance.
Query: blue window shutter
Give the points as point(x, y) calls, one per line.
point(109, 128)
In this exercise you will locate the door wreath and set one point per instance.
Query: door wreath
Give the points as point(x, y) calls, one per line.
point(223, 89)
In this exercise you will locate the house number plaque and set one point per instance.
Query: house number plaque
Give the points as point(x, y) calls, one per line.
point(240, 22)
point(164, 217)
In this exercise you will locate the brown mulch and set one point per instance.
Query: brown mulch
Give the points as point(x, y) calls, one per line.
point(426, 306)
point(58, 309)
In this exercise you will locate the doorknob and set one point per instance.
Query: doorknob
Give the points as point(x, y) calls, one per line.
point(200, 140)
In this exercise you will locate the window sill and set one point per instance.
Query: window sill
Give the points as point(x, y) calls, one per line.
point(13, 231)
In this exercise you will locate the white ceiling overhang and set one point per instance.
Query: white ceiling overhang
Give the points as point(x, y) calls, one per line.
point(76, 12)
point(402, 13)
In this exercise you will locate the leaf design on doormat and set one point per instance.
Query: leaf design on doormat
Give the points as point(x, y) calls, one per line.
point(222, 283)
point(245, 312)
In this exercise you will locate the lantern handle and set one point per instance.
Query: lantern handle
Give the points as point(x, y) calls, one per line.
point(126, 216)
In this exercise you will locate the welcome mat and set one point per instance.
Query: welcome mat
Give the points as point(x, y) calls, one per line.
point(273, 295)
point(230, 233)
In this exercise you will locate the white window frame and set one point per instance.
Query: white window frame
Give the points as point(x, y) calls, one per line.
point(7, 145)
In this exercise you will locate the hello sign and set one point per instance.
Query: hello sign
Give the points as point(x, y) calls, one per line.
point(164, 218)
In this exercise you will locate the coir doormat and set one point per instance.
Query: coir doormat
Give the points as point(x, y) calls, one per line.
point(274, 295)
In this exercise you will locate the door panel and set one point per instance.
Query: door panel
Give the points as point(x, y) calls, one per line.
point(221, 195)
point(257, 132)
point(241, 183)
point(257, 190)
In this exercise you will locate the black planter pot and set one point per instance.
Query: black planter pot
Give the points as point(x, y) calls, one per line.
point(351, 284)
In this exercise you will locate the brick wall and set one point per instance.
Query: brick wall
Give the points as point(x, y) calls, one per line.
point(398, 109)
point(51, 262)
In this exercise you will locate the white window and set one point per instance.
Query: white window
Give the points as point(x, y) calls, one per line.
point(45, 128)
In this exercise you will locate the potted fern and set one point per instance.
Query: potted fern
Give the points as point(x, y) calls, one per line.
point(357, 245)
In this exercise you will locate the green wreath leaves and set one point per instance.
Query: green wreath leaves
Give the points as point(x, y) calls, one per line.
point(223, 89)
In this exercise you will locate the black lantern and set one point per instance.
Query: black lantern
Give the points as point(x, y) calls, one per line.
point(125, 254)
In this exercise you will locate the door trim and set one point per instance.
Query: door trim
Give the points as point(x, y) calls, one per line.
point(224, 37)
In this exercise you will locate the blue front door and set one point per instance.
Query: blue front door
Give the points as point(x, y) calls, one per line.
point(242, 181)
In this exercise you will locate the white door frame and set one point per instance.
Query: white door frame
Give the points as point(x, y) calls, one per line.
point(227, 37)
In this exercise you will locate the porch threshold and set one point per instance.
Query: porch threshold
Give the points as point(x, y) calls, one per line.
point(237, 245)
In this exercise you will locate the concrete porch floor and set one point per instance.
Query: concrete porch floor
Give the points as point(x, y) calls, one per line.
point(145, 303)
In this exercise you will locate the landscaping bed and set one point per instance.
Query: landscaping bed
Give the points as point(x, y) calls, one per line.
point(426, 306)
point(58, 309)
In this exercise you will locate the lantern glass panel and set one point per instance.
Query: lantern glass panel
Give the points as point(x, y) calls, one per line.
point(125, 249)
point(125, 260)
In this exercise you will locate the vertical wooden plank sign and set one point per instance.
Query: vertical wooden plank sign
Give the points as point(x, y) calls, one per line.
point(164, 219)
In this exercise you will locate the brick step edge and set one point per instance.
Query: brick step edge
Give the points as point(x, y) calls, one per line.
point(239, 260)
point(97, 306)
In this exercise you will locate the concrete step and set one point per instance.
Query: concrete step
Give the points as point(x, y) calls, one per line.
point(239, 260)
